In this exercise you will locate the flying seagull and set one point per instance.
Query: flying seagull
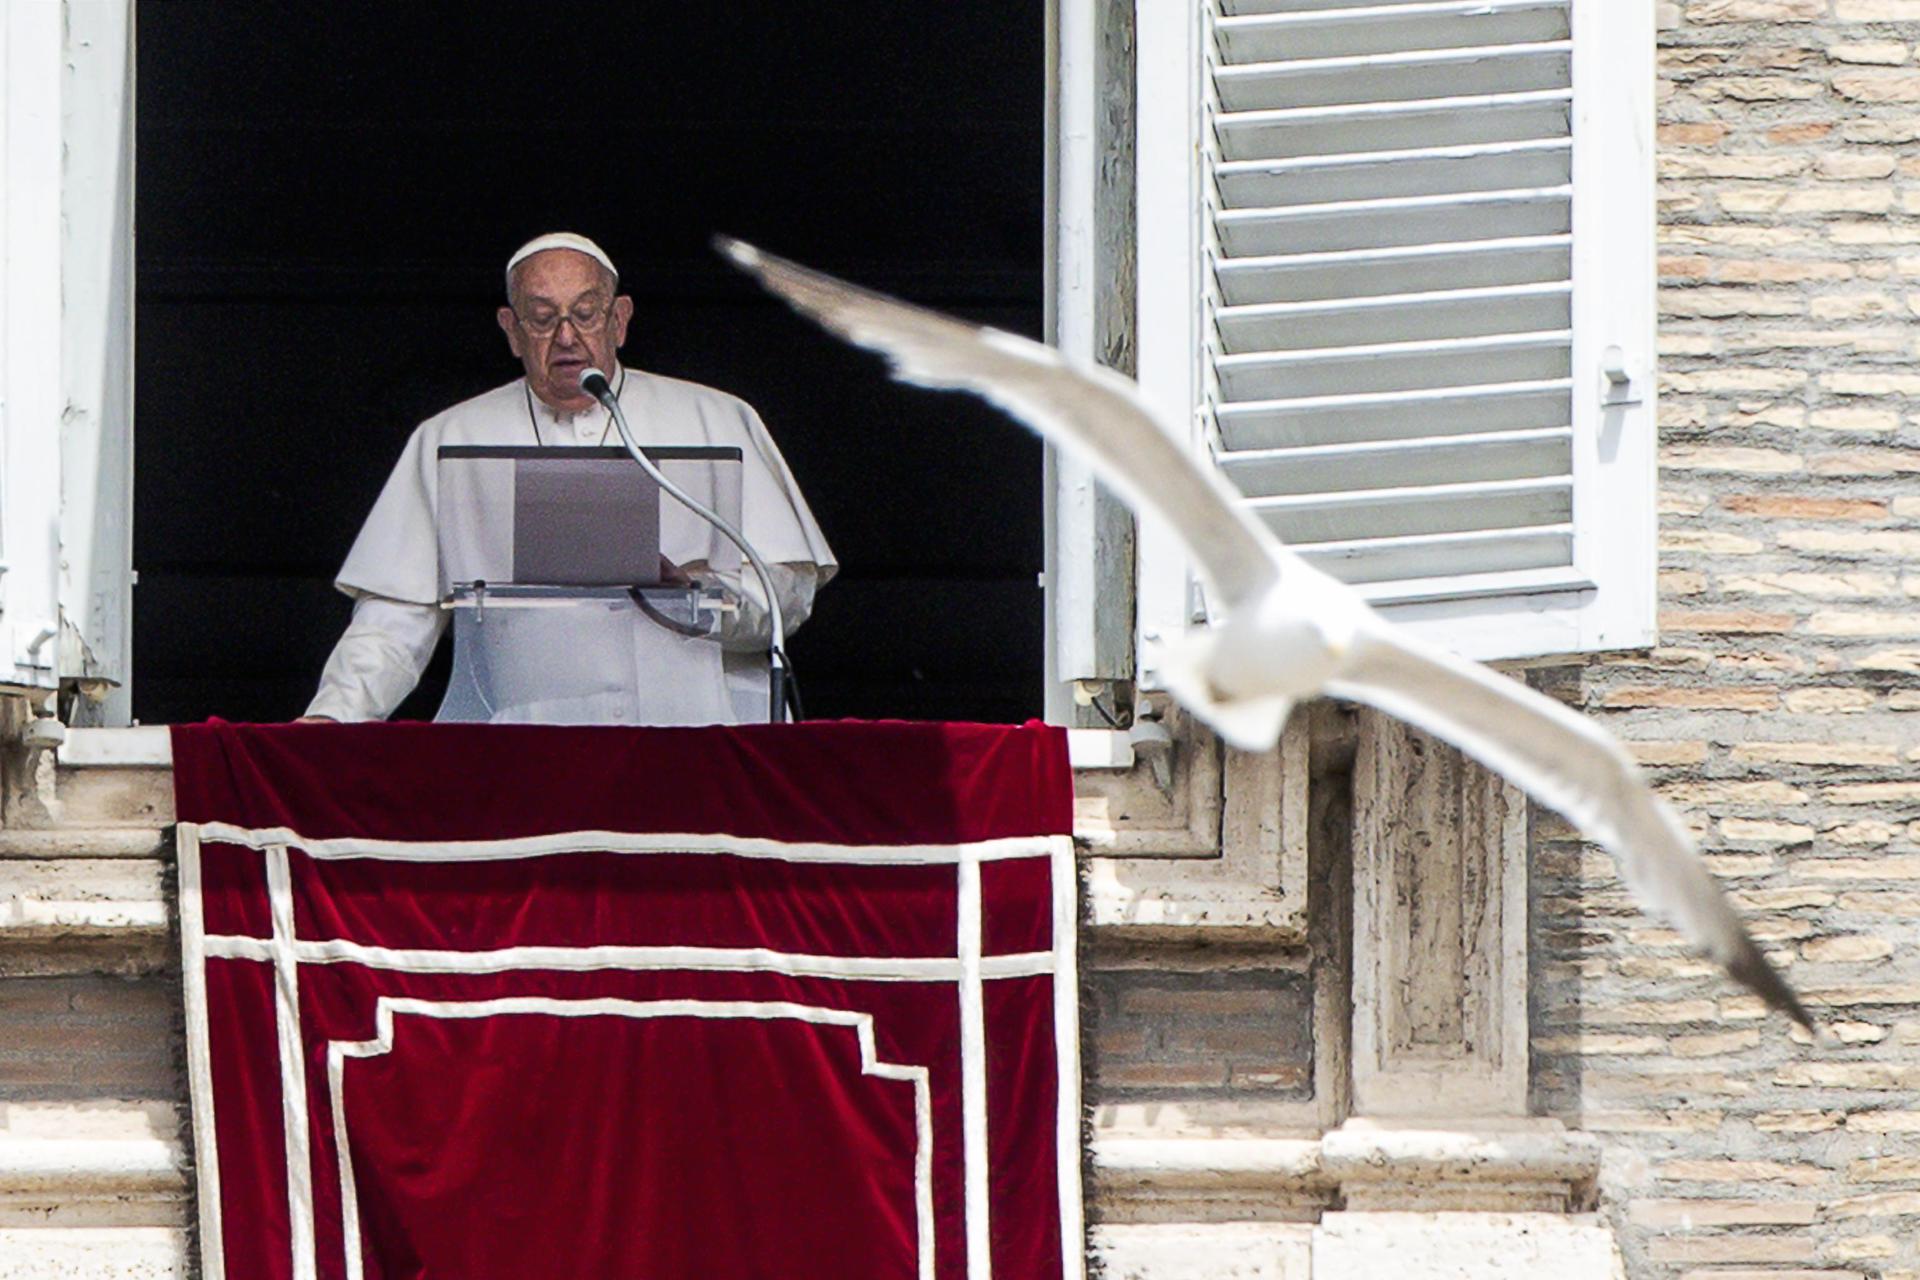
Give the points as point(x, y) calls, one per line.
point(1291, 631)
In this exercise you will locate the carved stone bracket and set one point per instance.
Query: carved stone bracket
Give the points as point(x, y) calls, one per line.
point(1223, 847)
point(1141, 812)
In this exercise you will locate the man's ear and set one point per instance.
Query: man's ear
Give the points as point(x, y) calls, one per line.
point(622, 316)
point(510, 325)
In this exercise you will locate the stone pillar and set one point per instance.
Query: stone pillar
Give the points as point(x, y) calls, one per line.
point(1439, 931)
point(1441, 1162)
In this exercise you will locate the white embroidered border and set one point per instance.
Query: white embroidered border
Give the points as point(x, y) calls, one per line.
point(973, 1075)
point(293, 1072)
point(1026, 964)
point(193, 979)
point(1066, 1055)
point(631, 843)
point(860, 1023)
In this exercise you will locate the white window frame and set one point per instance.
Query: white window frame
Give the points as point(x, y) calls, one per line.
point(32, 41)
point(1087, 571)
point(1169, 85)
point(66, 349)
point(96, 441)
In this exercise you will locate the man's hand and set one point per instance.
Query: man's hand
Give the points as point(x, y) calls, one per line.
point(316, 720)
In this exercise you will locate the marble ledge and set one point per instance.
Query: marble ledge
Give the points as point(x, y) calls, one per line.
point(1517, 1165)
point(50, 1183)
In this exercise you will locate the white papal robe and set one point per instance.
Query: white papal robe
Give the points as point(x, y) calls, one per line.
point(595, 665)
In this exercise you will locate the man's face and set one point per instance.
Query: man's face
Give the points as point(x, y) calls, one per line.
point(564, 318)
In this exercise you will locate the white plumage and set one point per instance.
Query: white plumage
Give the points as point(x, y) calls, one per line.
point(1288, 630)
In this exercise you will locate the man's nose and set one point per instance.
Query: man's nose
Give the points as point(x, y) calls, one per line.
point(567, 334)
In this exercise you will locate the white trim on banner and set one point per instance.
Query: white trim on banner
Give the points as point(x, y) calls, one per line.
point(1065, 964)
point(293, 1072)
point(193, 981)
point(860, 1023)
point(630, 842)
point(1025, 964)
point(973, 1075)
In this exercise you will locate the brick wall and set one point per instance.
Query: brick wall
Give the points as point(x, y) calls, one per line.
point(1162, 1034)
point(89, 1037)
point(1782, 711)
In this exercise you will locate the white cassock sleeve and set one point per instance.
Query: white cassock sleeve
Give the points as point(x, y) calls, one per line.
point(750, 627)
point(775, 517)
point(378, 659)
point(781, 527)
point(397, 554)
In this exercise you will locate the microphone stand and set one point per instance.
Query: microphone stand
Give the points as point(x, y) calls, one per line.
point(595, 384)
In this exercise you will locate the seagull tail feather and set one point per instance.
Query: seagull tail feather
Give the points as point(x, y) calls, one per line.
point(1754, 971)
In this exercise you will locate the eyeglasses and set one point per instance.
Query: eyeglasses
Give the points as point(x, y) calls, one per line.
point(585, 318)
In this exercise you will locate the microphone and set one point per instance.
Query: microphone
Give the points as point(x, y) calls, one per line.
point(594, 383)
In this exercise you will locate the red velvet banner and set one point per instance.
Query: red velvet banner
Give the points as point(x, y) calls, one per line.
point(478, 1002)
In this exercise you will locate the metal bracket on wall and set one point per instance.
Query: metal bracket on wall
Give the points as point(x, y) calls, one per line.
point(1619, 387)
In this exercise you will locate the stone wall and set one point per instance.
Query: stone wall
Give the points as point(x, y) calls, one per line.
point(93, 1176)
point(1782, 711)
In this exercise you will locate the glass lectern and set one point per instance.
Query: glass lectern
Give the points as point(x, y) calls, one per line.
point(580, 593)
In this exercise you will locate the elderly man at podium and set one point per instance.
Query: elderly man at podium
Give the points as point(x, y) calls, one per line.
point(610, 662)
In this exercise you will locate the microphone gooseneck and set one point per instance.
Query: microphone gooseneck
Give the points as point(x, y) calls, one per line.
point(595, 384)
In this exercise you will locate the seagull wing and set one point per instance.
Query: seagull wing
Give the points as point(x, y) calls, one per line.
point(1092, 413)
point(1569, 764)
point(1563, 760)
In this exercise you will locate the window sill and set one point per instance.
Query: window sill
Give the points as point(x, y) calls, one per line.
point(141, 747)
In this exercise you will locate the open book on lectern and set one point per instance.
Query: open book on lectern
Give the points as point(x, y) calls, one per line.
point(581, 520)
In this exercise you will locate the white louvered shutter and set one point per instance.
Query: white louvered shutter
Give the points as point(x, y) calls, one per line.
point(66, 334)
point(1423, 226)
point(32, 50)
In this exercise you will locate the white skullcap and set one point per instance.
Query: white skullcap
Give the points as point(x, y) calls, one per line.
point(560, 240)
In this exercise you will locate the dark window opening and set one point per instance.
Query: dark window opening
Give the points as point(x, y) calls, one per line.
point(325, 201)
